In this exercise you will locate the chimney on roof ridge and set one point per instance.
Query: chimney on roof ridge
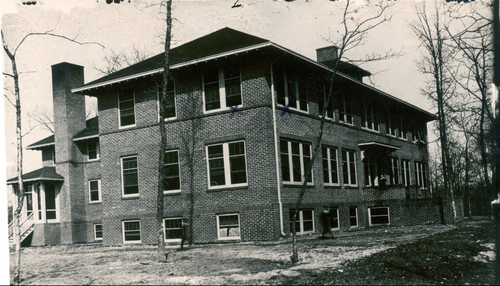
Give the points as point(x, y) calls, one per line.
point(327, 55)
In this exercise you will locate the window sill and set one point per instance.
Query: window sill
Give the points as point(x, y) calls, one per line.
point(229, 188)
point(298, 185)
point(95, 203)
point(127, 126)
point(130, 197)
point(371, 130)
point(294, 109)
point(225, 109)
point(132, 242)
point(346, 123)
point(172, 193)
point(350, 187)
point(332, 186)
point(93, 160)
point(98, 239)
point(235, 239)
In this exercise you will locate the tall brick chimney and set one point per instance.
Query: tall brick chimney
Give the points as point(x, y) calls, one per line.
point(327, 55)
point(69, 119)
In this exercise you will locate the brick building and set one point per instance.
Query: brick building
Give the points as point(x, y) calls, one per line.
point(241, 120)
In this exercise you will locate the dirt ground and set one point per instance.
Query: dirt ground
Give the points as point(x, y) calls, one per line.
point(235, 263)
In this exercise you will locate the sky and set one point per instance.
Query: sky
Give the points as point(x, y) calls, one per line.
point(301, 26)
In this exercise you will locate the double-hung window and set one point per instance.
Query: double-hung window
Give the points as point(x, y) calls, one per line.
point(169, 101)
point(345, 109)
point(131, 231)
point(228, 226)
point(172, 181)
point(291, 90)
point(406, 172)
point(222, 88)
point(349, 167)
point(97, 231)
point(227, 165)
point(95, 191)
point(304, 222)
point(394, 175)
point(420, 175)
point(371, 172)
point(295, 158)
point(130, 178)
point(379, 215)
point(322, 95)
point(330, 167)
point(353, 216)
point(369, 118)
point(93, 150)
point(126, 102)
point(173, 229)
point(391, 127)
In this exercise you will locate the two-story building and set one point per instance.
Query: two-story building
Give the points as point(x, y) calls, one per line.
point(242, 119)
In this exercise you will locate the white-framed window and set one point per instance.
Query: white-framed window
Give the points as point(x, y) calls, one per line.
point(379, 215)
point(51, 202)
point(322, 94)
point(334, 219)
point(394, 175)
point(126, 108)
point(131, 231)
point(369, 118)
point(330, 166)
point(169, 110)
point(97, 231)
point(95, 191)
point(349, 167)
point(221, 88)
point(295, 158)
point(130, 177)
point(353, 216)
point(418, 132)
point(28, 198)
point(391, 126)
point(420, 175)
point(345, 110)
point(406, 172)
point(93, 150)
point(173, 229)
point(304, 222)
point(228, 226)
point(372, 166)
point(172, 182)
point(227, 165)
point(291, 90)
point(402, 129)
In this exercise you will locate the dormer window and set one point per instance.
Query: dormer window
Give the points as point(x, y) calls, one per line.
point(93, 150)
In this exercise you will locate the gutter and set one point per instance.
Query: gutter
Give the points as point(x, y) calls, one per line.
point(275, 130)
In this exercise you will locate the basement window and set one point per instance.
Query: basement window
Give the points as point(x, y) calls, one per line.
point(173, 229)
point(379, 215)
point(97, 231)
point(228, 226)
point(131, 231)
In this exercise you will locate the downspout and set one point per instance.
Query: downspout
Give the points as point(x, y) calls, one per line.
point(275, 129)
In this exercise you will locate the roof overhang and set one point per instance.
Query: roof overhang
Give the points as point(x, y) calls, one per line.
point(38, 146)
point(86, 137)
point(36, 179)
point(377, 148)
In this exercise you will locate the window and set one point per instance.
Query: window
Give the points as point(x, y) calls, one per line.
point(131, 231)
point(126, 104)
point(322, 95)
point(406, 172)
point(227, 164)
point(50, 202)
point(420, 175)
point(95, 191)
point(39, 201)
point(379, 215)
point(97, 231)
point(349, 167)
point(228, 226)
point(418, 131)
point(130, 178)
point(28, 194)
point(295, 158)
point(345, 110)
point(372, 167)
point(93, 150)
point(391, 127)
point(169, 102)
point(369, 118)
point(330, 169)
point(173, 229)
point(334, 219)
point(172, 180)
point(402, 130)
point(222, 88)
point(353, 216)
point(291, 90)
point(394, 175)
point(304, 222)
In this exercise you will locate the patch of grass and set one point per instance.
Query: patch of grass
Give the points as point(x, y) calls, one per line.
point(444, 258)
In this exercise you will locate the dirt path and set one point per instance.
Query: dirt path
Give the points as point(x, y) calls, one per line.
point(241, 263)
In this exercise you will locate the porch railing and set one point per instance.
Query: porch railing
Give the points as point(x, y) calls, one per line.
point(24, 228)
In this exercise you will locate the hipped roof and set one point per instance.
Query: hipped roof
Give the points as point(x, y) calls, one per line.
point(43, 174)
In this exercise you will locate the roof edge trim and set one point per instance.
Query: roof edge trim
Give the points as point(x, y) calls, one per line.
point(36, 179)
point(29, 147)
point(85, 137)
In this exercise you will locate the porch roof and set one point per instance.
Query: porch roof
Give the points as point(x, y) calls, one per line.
point(378, 145)
point(42, 143)
point(42, 174)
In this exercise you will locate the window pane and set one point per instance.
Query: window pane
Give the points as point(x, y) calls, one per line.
point(238, 170)
point(217, 177)
point(215, 151)
point(279, 82)
point(229, 226)
point(292, 91)
point(232, 83)
point(302, 96)
point(173, 228)
point(98, 230)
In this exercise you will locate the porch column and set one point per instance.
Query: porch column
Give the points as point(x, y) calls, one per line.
point(42, 200)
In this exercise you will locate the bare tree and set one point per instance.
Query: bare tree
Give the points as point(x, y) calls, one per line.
point(429, 28)
point(354, 30)
point(11, 52)
point(115, 61)
point(45, 119)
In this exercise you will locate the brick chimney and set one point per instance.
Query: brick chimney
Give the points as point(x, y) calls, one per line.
point(327, 55)
point(69, 119)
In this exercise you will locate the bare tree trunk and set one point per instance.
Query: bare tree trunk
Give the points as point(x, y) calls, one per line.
point(163, 143)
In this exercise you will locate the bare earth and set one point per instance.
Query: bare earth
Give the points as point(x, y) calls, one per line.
point(238, 263)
